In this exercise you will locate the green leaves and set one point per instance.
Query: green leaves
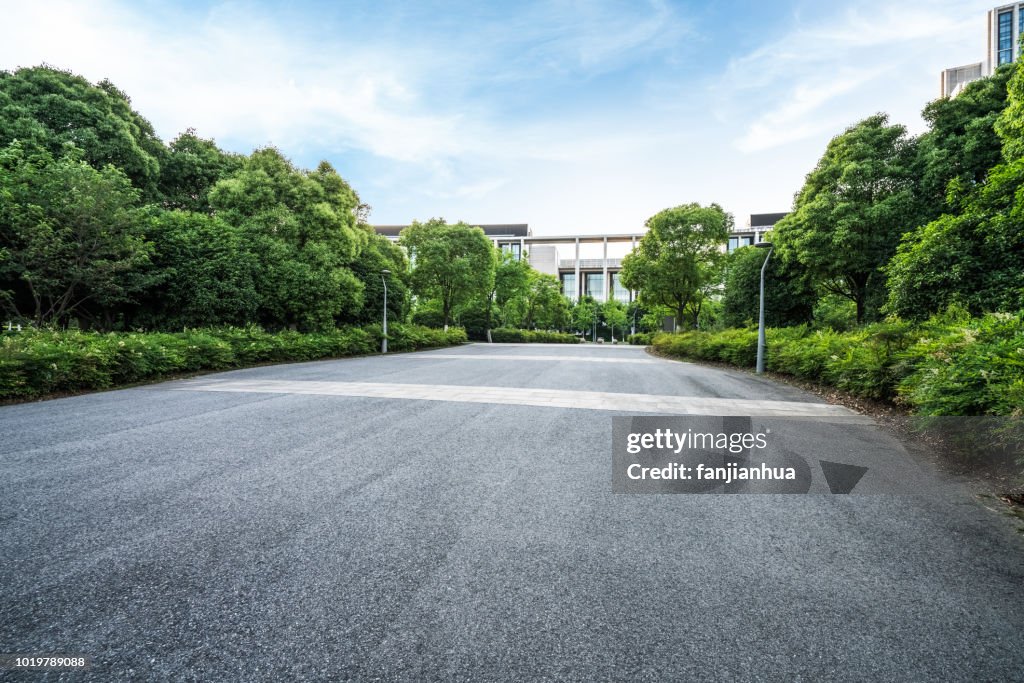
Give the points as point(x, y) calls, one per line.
point(679, 260)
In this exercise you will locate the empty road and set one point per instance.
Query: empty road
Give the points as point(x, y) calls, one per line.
point(449, 515)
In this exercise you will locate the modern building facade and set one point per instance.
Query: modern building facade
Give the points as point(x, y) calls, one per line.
point(597, 273)
point(1003, 29)
point(757, 226)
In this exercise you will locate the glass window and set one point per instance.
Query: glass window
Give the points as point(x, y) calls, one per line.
point(1020, 24)
point(513, 248)
point(734, 243)
point(595, 285)
point(1005, 44)
point(569, 285)
point(619, 291)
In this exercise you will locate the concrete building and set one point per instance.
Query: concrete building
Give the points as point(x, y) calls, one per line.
point(1003, 28)
point(757, 226)
point(584, 264)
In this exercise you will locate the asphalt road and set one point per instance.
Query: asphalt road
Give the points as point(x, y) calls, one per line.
point(307, 522)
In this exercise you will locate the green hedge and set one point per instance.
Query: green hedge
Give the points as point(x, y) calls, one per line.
point(509, 335)
point(640, 338)
point(940, 367)
point(40, 362)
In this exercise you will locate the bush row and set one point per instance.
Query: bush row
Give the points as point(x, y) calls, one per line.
point(945, 366)
point(509, 335)
point(40, 362)
point(640, 338)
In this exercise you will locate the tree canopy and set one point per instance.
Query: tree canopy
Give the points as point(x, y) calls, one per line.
point(678, 261)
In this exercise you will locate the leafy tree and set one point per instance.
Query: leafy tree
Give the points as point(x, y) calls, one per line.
point(789, 292)
point(511, 280)
point(584, 314)
point(191, 167)
point(53, 108)
point(452, 263)
point(70, 235)
point(302, 227)
point(961, 145)
point(679, 260)
point(203, 273)
point(972, 257)
point(614, 315)
point(545, 305)
point(378, 255)
point(852, 210)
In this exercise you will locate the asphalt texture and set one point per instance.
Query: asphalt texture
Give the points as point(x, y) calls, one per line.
point(172, 533)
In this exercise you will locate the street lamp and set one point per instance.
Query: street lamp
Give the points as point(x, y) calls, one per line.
point(384, 338)
point(760, 317)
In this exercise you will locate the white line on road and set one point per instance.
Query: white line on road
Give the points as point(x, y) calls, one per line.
point(550, 398)
point(489, 356)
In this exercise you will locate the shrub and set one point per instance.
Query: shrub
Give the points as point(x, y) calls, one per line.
point(508, 335)
point(947, 365)
point(640, 338)
point(40, 362)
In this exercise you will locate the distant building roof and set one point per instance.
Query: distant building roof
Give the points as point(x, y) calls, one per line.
point(491, 229)
point(765, 220)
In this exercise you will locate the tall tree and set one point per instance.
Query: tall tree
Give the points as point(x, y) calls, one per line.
point(71, 237)
point(191, 167)
point(852, 210)
point(452, 263)
point(679, 259)
point(54, 108)
point(302, 226)
point(789, 291)
point(614, 315)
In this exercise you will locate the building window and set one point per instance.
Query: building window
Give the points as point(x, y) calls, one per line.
point(595, 285)
point(513, 248)
point(619, 292)
point(569, 285)
point(1005, 38)
point(1020, 26)
point(734, 244)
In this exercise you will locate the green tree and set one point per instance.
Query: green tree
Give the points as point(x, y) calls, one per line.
point(53, 108)
point(452, 263)
point(789, 291)
point(70, 235)
point(545, 307)
point(679, 259)
point(852, 210)
point(191, 167)
point(302, 227)
point(584, 314)
point(614, 315)
point(378, 255)
point(202, 273)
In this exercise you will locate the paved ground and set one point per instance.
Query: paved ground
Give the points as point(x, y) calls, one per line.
point(328, 521)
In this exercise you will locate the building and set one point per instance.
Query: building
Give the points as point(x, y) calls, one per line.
point(1004, 27)
point(582, 263)
point(759, 224)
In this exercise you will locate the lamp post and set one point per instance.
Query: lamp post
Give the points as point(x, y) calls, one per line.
point(384, 338)
point(760, 316)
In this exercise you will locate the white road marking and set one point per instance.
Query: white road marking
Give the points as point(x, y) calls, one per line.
point(489, 356)
point(550, 398)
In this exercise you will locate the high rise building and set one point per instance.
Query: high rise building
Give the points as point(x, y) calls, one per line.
point(1004, 27)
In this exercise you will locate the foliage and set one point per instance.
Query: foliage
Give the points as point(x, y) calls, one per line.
point(301, 227)
point(852, 210)
point(53, 109)
point(973, 257)
point(942, 366)
point(613, 313)
point(511, 335)
point(452, 263)
point(71, 236)
point(191, 167)
point(640, 338)
point(679, 259)
point(789, 292)
point(36, 363)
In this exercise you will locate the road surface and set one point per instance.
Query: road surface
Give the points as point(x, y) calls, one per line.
point(448, 515)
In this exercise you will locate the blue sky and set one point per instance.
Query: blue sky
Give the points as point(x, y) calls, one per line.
point(571, 116)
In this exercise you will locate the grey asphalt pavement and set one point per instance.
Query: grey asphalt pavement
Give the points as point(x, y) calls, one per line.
point(301, 522)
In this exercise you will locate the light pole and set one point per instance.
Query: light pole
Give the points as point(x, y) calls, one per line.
point(760, 316)
point(384, 338)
